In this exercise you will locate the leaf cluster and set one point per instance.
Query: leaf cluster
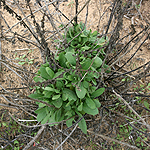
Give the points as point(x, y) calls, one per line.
point(73, 86)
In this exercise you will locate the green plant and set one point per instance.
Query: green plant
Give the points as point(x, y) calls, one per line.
point(72, 90)
point(137, 6)
point(23, 60)
point(71, 3)
point(16, 143)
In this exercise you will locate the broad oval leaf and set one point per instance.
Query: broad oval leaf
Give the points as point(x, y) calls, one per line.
point(70, 94)
point(47, 94)
point(70, 58)
point(97, 103)
point(57, 103)
point(97, 62)
point(98, 92)
point(81, 92)
point(86, 64)
point(58, 115)
point(82, 123)
point(83, 126)
point(44, 73)
point(90, 103)
point(58, 74)
point(49, 89)
point(38, 79)
point(80, 107)
point(36, 96)
point(94, 33)
point(50, 72)
point(69, 122)
point(64, 96)
point(55, 97)
point(62, 60)
point(88, 110)
point(45, 119)
point(41, 113)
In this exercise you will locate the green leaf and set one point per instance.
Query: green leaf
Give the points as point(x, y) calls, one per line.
point(70, 94)
point(52, 119)
point(57, 103)
point(58, 115)
point(41, 114)
point(90, 103)
point(41, 104)
point(83, 35)
point(46, 118)
point(85, 48)
point(64, 96)
point(92, 39)
point(94, 82)
point(55, 97)
point(85, 84)
point(17, 58)
point(40, 110)
point(59, 84)
point(70, 58)
point(97, 62)
point(86, 64)
point(50, 72)
point(38, 79)
point(80, 107)
point(97, 103)
point(70, 78)
point(16, 142)
point(88, 110)
point(44, 73)
point(62, 60)
point(98, 92)
point(70, 32)
point(84, 40)
point(81, 91)
point(47, 94)
point(58, 74)
point(146, 104)
point(107, 68)
point(69, 122)
point(21, 63)
point(94, 33)
point(45, 65)
point(23, 56)
point(82, 123)
point(101, 40)
point(49, 89)
point(35, 96)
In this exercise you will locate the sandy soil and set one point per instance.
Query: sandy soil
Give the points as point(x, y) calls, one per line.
point(15, 48)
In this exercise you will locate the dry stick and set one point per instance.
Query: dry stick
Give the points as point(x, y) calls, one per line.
point(51, 19)
point(67, 137)
point(33, 140)
point(11, 102)
point(70, 20)
point(131, 47)
point(26, 17)
point(13, 71)
point(148, 126)
point(4, 105)
point(21, 70)
point(114, 140)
